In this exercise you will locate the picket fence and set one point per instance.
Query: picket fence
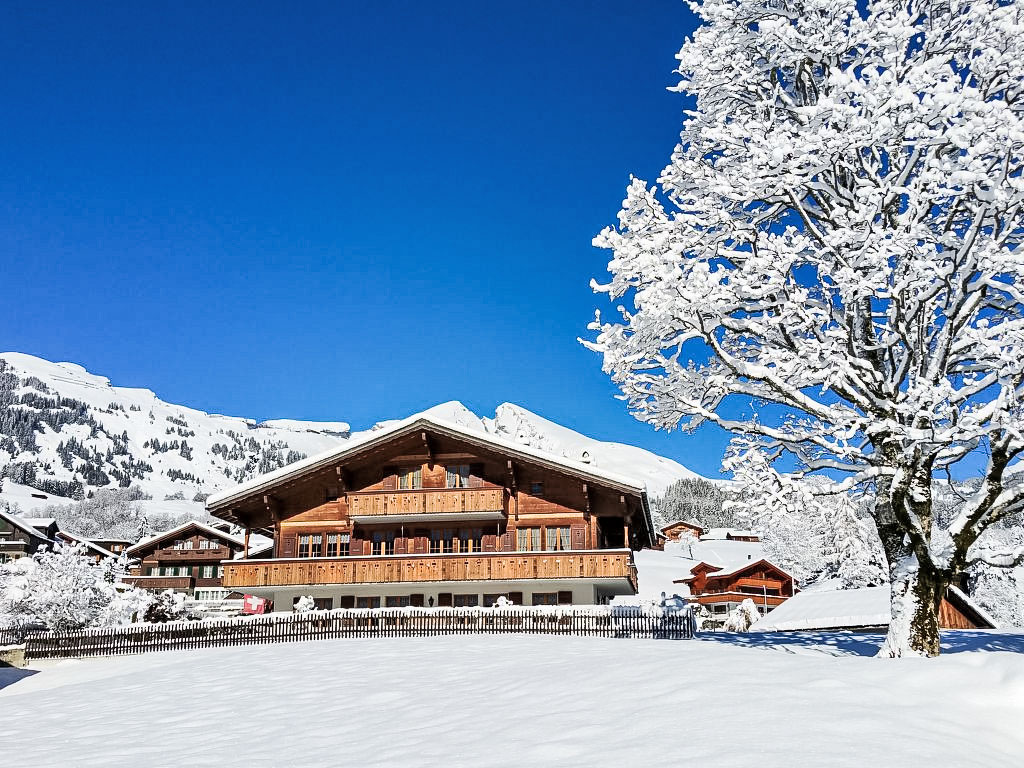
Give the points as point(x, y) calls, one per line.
point(581, 621)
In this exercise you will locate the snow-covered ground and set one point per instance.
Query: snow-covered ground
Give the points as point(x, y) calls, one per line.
point(788, 701)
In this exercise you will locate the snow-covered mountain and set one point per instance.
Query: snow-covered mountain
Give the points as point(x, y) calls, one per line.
point(65, 431)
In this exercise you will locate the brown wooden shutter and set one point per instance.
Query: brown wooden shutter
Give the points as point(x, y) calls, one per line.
point(476, 475)
point(401, 545)
point(347, 601)
point(507, 542)
point(516, 598)
point(288, 545)
point(390, 480)
point(416, 600)
point(490, 542)
point(355, 546)
point(565, 598)
point(578, 536)
point(444, 600)
point(422, 545)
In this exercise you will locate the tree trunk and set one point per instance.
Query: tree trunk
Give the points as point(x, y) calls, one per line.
point(914, 610)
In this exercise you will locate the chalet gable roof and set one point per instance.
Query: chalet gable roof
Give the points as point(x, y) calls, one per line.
point(468, 434)
point(191, 525)
point(24, 525)
point(718, 572)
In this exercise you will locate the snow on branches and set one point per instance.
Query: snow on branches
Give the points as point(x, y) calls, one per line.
point(837, 237)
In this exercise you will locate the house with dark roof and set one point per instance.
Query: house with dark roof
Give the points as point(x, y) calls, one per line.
point(20, 538)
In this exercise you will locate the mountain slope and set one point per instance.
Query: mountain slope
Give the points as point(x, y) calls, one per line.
point(66, 431)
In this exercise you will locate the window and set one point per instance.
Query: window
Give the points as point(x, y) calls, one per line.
point(465, 601)
point(396, 601)
point(367, 602)
point(545, 598)
point(457, 476)
point(442, 540)
point(409, 479)
point(383, 543)
point(528, 539)
point(207, 572)
point(323, 603)
point(537, 489)
point(471, 539)
point(556, 537)
point(337, 544)
point(311, 545)
point(220, 571)
point(188, 544)
point(152, 571)
point(179, 544)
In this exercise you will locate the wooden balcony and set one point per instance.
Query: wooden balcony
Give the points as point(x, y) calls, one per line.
point(427, 501)
point(712, 598)
point(161, 582)
point(483, 566)
point(170, 553)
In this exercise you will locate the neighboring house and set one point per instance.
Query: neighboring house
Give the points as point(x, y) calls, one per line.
point(114, 546)
point(189, 558)
point(730, 534)
point(20, 538)
point(92, 548)
point(721, 589)
point(680, 529)
point(431, 512)
point(826, 606)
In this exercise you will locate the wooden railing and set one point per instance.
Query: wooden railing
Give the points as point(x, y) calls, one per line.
point(170, 553)
point(504, 566)
point(160, 582)
point(587, 621)
point(426, 501)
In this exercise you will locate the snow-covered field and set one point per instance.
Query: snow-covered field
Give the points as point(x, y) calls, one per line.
point(787, 701)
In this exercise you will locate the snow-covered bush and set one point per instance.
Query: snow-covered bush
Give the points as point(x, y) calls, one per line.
point(65, 589)
point(742, 617)
point(503, 602)
point(304, 604)
point(166, 606)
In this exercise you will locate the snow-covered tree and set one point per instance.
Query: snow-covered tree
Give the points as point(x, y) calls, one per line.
point(695, 500)
point(742, 617)
point(66, 589)
point(111, 512)
point(166, 606)
point(832, 266)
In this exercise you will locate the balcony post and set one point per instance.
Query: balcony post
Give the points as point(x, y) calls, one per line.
point(245, 554)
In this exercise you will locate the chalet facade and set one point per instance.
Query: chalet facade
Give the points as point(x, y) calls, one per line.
point(677, 531)
point(189, 558)
point(721, 589)
point(20, 538)
point(427, 512)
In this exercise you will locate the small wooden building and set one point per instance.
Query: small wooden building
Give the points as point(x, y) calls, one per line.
point(189, 558)
point(20, 538)
point(428, 511)
point(723, 588)
point(680, 529)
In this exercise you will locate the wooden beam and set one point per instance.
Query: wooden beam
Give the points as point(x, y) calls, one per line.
point(513, 489)
point(430, 452)
point(586, 502)
point(342, 479)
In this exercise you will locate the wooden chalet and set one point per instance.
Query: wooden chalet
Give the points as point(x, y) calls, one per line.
point(678, 530)
point(723, 588)
point(19, 537)
point(434, 513)
point(189, 558)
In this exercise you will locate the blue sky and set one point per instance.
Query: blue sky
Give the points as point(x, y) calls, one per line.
point(331, 210)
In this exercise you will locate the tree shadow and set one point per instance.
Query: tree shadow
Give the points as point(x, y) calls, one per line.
point(10, 675)
point(864, 643)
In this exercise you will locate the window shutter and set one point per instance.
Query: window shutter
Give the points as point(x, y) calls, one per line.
point(476, 475)
point(355, 546)
point(422, 545)
point(444, 600)
point(288, 545)
point(416, 600)
point(506, 542)
point(565, 598)
point(400, 545)
point(390, 480)
point(490, 543)
point(578, 533)
point(516, 598)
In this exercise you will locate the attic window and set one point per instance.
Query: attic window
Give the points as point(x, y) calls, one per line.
point(410, 478)
point(537, 489)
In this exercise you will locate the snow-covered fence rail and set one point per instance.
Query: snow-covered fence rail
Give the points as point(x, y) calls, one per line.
point(582, 621)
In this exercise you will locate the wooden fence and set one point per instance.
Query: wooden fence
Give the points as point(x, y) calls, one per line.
point(597, 621)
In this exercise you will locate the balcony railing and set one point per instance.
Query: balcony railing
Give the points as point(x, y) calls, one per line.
point(170, 553)
point(490, 566)
point(160, 582)
point(432, 501)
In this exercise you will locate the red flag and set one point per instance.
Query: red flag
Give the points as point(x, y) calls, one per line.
point(253, 604)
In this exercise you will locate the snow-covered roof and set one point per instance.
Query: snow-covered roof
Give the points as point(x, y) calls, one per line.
point(40, 522)
point(725, 533)
point(718, 572)
point(87, 543)
point(826, 606)
point(470, 432)
point(181, 528)
point(687, 523)
point(22, 524)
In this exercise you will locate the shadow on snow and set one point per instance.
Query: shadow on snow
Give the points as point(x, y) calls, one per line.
point(863, 643)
